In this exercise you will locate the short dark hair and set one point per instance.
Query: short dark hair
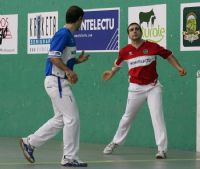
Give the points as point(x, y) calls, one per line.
point(133, 23)
point(73, 14)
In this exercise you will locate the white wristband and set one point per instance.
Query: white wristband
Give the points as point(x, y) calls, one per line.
point(114, 69)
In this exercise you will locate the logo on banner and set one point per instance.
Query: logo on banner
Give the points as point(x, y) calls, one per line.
point(152, 20)
point(191, 33)
point(4, 30)
point(151, 32)
point(41, 28)
point(147, 17)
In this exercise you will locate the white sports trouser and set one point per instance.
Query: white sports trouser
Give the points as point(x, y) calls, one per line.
point(66, 117)
point(137, 95)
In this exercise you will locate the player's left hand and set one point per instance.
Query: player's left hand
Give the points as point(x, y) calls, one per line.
point(82, 57)
point(182, 72)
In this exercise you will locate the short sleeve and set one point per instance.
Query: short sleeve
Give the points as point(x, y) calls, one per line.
point(58, 44)
point(120, 59)
point(164, 53)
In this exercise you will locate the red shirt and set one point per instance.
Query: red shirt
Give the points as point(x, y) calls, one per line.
point(142, 61)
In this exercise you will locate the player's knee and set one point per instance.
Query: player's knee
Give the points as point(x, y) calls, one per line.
point(57, 122)
point(72, 121)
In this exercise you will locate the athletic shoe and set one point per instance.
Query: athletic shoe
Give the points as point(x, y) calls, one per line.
point(161, 155)
point(110, 148)
point(27, 150)
point(73, 163)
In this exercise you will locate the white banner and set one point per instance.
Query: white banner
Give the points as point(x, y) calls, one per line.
point(41, 28)
point(198, 113)
point(8, 34)
point(152, 20)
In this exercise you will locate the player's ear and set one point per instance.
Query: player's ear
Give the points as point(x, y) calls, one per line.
point(80, 18)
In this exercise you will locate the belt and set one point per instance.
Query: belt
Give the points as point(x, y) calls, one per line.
point(57, 76)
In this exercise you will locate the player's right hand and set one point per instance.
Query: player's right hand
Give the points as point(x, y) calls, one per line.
point(107, 75)
point(72, 77)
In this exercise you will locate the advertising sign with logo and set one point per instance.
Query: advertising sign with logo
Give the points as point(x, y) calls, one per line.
point(41, 28)
point(152, 20)
point(190, 27)
point(99, 31)
point(8, 34)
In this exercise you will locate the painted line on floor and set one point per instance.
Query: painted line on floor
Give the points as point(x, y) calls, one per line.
point(100, 161)
point(136, 161)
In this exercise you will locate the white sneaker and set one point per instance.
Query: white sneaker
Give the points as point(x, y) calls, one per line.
point(72, 163)
point(110, 148)
point(161, 155)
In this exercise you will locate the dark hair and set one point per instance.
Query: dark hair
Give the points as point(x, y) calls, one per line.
point(73, 14)
point(133, 23)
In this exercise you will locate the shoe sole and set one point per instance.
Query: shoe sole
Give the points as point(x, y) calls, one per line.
point(71, 165)
point(106, 153)
point(22, 148)
point(159, 157)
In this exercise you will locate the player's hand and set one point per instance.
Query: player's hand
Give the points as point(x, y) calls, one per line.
point(182, 72)
point(107, 75)
point(72, 77)
point(82, 57)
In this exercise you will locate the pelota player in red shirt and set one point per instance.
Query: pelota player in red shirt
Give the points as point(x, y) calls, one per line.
point(140, 56)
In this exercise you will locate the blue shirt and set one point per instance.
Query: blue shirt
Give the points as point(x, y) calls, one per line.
point(62, 46)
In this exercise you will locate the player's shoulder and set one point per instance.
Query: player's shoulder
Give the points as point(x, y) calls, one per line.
point(150, 43)
point(125, 48)
point(63, 32)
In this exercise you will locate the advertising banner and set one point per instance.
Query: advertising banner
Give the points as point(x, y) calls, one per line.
point(99, 31)
point(8, 34)
point(190, 27)
point(41, 28)
point(152, 20)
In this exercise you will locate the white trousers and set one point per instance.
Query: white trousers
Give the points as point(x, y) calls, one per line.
point(66, 117)
point(137, 95)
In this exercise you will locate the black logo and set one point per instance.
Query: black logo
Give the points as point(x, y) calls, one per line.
point(3, 34)
point(147, 17)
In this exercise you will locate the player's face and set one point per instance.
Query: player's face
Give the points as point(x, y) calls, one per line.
point(134, 32)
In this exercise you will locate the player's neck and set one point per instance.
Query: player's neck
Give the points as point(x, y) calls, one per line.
point(137, 43)
point(71, 27)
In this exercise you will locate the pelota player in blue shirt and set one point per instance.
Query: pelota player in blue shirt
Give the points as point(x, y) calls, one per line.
point(59, 77)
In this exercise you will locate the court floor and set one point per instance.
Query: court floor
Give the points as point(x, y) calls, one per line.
point(125, 157)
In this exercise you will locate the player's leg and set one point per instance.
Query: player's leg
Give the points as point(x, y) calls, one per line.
point(134, 102)
point(154, 100)
point(53, 125)
point(46, 131)
point(67, 115)
point(71, 130)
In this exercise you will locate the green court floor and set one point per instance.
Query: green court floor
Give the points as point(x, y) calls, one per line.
point(48, 157)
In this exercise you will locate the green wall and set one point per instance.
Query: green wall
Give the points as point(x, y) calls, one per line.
point(24, 105)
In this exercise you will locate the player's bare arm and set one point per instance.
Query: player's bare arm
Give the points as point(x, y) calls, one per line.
point(172, 60)
point(108, 74)
point(72, 76)
point(82, 58)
